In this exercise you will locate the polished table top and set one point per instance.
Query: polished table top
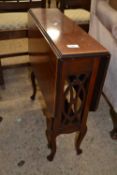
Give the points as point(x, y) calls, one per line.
point(67, 38)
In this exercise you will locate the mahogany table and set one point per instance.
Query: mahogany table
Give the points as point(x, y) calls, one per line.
point(70, 67)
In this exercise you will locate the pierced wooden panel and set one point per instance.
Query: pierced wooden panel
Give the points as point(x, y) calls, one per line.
point(75, 91)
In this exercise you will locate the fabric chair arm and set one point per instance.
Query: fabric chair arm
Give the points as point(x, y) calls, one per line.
point(108, 16)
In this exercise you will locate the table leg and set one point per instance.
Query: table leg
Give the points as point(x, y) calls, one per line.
point(57, 3)
point(79, 137)
point(1, 76)
point(113, 133)
point(49, 3)
point(51, 138)
point(33, 86)
point(52, 145)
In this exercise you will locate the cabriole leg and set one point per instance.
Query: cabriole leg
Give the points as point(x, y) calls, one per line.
point(52, 146)
point(33, 86)
point(113, 133)
point(78, 140)
point(1, 76)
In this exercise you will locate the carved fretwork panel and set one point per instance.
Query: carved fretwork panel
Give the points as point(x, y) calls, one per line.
point(75, 92)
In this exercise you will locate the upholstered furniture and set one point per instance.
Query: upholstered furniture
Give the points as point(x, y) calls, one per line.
point(77, 10)
point(103, 27)
point(14, 23)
